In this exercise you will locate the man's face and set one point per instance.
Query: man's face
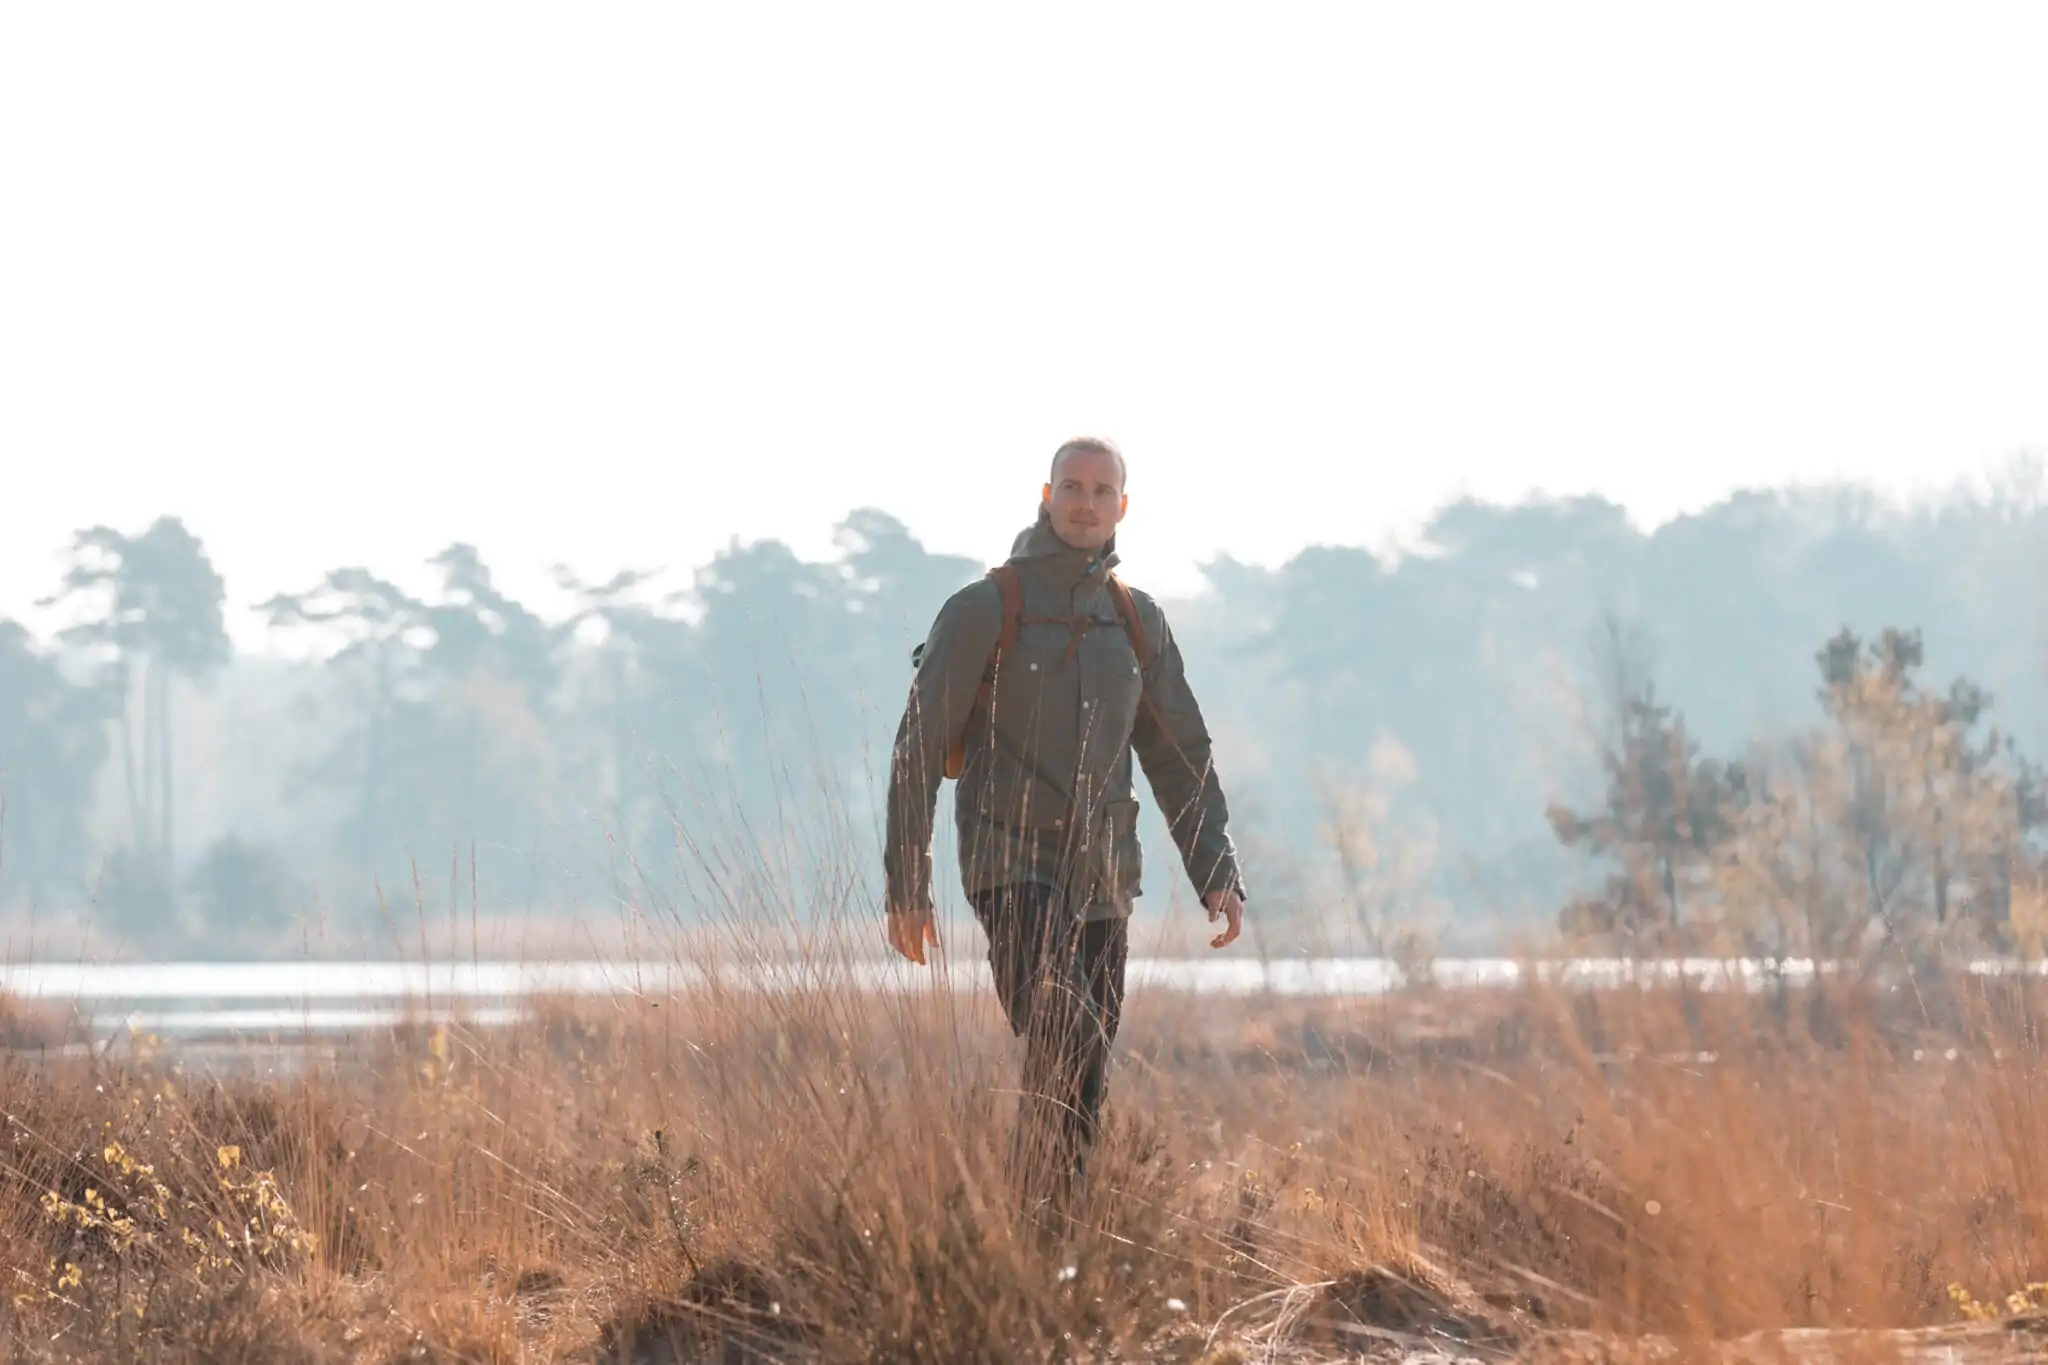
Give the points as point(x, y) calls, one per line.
point(1085, 498)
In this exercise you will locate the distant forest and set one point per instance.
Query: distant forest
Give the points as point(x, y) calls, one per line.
point(1795, 718)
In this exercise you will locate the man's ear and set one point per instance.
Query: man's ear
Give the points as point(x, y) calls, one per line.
point(1123, 506)
point(1045, 495)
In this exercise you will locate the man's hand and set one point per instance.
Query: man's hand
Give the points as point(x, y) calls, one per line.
point(1231, 906)
point(910, 930)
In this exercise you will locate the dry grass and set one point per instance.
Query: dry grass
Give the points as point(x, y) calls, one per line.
point(816, 1174)
point(30, 1025)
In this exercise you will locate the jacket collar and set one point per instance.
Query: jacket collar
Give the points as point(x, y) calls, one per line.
point(1039, 548)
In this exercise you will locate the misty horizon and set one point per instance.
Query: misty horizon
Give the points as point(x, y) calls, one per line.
point(1446, 702)
point(537, 579)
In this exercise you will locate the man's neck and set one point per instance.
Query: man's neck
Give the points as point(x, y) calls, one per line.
point(1044, 544)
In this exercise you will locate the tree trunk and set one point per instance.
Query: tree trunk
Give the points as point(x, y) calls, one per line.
point(371, 808)
point(138, 826)
point(165, 770)
point(1941, 880)
point(470, 747)
point(146, 836)
point(621, 736)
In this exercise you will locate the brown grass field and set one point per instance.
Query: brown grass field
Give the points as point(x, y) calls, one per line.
point(816, 1174)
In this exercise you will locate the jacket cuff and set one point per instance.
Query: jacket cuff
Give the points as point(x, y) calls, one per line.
point(1224, 875)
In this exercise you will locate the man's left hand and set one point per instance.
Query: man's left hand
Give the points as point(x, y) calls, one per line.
point(1229, 905)
point(910, 930)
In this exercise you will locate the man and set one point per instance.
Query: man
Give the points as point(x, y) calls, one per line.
point(1041, 740)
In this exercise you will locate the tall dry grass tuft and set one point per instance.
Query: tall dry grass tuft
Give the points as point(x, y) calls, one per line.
point(814, 1170)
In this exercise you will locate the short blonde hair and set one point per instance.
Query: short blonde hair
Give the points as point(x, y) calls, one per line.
point(1100, 446)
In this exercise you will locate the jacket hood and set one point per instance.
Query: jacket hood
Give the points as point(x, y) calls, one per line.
point(1040, 548)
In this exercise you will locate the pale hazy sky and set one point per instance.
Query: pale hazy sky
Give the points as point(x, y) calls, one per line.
point(614, 283)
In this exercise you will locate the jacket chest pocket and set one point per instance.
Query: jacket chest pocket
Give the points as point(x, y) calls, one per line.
point(1037, 688)
point(1089, 680)
point(1042, 655)
point(1027, 777)
point(1110, 685)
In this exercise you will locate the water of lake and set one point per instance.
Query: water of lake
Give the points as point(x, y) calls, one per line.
point(271, 999)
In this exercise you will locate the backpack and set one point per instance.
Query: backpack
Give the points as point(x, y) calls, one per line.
point(1012, 588)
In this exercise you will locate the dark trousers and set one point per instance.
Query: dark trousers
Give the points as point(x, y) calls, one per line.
point(1061, 983)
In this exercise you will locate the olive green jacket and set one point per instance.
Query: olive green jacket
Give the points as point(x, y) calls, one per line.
point(1045, 793)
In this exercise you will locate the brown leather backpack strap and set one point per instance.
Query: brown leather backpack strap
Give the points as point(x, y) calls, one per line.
point(1127, 607)
point(1012, 589)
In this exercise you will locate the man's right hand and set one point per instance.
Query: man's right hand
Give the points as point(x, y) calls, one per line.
point(910, 930)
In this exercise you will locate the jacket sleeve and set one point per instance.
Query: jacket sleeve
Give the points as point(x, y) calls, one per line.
point(1172, 744)
point(950, 664)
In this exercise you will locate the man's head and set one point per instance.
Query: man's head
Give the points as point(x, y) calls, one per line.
point(1085, 495)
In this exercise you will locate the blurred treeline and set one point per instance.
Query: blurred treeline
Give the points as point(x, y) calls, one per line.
point(1537, 709)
